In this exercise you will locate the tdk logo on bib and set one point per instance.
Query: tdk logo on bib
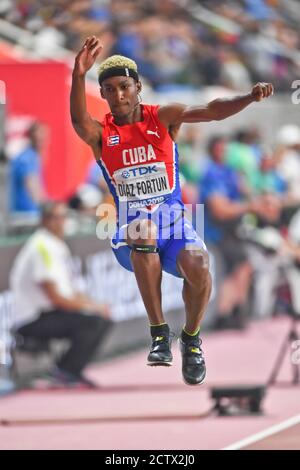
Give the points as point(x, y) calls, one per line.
point(125, 174)
point(139, 171)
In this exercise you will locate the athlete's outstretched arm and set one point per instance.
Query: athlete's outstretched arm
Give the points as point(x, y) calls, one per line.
point(86, 127)
point(221, 108)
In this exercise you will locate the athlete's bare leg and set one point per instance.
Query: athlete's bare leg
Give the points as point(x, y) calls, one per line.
point(194, 267)
point(147, 268)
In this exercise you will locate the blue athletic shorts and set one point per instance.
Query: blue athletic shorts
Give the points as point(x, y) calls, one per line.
point(170, 241)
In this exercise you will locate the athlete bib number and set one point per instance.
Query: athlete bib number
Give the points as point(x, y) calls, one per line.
point(142, 185)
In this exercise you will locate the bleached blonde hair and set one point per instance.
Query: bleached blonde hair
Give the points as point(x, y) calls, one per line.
point(117, 61)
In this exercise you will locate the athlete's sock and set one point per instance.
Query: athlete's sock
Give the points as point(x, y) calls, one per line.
point(159, 330)
point(187, 337)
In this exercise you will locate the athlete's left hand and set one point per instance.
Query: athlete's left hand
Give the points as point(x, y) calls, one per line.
point(262, 90)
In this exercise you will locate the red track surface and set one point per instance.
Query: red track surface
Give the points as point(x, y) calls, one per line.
point(139, 407)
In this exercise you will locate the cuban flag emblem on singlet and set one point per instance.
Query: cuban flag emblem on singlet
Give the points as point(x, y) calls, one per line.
point(113, 140)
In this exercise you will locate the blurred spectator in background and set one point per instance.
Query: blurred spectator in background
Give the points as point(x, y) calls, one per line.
point(92, 192)
point(291, 250)
point(96, 179)
point(267, 178)
point(47, 304)
point(189, 148)
point(224, 207)
point(189, 167)
point(242, 156)
point(264, 251)
point(287, 155)
point(25, 178)
point(234, 74)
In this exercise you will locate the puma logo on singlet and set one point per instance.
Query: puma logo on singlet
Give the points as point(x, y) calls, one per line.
point(153, 133)
point(138, 155)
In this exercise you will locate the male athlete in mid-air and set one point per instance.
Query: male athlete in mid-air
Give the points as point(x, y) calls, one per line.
point(136, 150)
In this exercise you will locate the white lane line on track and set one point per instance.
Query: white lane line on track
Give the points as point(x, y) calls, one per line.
point(263, 434)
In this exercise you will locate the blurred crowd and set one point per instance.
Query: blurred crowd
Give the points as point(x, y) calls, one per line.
point(209, 42)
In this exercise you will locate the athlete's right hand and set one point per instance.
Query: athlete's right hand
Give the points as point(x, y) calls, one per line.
point(87, 56)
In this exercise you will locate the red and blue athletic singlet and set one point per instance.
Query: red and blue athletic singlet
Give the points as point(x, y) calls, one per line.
point(139, 162)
